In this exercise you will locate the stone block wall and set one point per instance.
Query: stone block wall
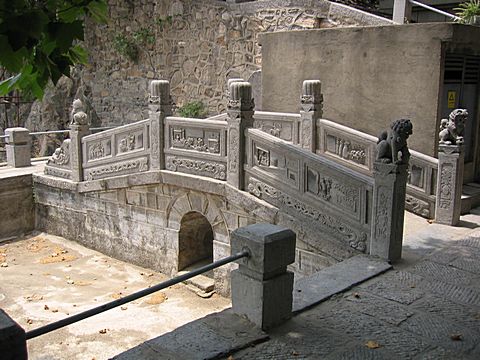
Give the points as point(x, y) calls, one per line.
point(195, 44)
point(140, 224)
point(17, 209)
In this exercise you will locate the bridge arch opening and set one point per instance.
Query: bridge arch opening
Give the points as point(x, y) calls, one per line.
point(195, 240)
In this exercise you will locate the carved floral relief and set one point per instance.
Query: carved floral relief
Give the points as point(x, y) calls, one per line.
point(356, 239)
point(197, 167)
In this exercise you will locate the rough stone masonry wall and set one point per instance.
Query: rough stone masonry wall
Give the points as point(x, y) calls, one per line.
point(198, 45)
point(140, 224)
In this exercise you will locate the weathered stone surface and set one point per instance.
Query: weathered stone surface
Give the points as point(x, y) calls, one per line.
point(311, 290)
point(13, 344)
point(17, 214)
point(210, 337)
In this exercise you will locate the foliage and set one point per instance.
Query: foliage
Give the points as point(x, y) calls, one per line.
point(125, 47)
point(467, 11)
point(39, 40)
point(194, 109)
point(162, 22)
point(129, 46)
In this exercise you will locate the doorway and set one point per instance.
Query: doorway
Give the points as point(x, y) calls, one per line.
point(195, 241)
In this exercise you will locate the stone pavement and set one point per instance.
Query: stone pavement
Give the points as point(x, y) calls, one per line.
point(430, 310)
point(427, 307)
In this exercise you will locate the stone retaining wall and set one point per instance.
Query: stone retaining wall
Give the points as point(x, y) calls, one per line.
point(196, 45)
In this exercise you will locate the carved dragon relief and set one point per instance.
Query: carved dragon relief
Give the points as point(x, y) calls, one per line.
point(356, 239)
point(197, 167)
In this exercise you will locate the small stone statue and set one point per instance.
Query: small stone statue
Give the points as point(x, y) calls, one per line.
point(451, 129)
point(78, 115)
point(392, 144)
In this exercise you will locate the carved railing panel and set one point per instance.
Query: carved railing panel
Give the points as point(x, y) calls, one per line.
point(59, 164)
point(285, 126)
point(331, 196)
point(196, 146)
point(356, 150)
point(118, 151)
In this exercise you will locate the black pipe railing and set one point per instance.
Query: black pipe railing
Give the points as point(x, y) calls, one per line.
point(137, 295)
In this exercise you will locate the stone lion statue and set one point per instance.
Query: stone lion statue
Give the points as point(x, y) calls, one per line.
point(78, 115)
point(392, 144)
point(451, 129)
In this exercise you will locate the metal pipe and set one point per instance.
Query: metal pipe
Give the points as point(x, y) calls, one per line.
point(431, 8)
point(110, 305)
point(49, 132)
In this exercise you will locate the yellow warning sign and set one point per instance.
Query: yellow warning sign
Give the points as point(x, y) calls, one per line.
point(452, 97)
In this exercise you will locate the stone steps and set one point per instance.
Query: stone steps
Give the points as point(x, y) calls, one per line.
point(470, 197)
point(204, 284)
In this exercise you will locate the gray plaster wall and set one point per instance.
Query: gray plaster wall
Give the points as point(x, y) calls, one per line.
point(370, 75)
point(17, 206)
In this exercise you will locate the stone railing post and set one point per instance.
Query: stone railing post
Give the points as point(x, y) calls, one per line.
point(402, 11)
point(390, 171)
point(261, 286)
point(449, 184)
point(390, 185)
point(160, 106)
point(13, 343)
point(79, 127)
point(18, 146)
point(240, 116)
point(311, 110)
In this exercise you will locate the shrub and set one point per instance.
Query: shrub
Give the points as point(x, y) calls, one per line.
point(193, 109)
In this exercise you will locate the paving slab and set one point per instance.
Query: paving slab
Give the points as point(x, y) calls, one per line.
point(311, 290)
point(211, 337)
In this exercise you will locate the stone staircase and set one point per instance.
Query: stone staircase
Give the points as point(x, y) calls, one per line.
point(202, 285)
point(470, 197)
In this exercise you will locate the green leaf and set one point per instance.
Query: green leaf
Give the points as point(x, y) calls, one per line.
point(78, 55)
point(70, 13)
point(98, 10)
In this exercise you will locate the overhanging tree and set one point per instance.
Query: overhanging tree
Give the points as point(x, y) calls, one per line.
point(39, 40)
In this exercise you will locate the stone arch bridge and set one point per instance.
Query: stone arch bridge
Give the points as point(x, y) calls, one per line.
point(166, 192)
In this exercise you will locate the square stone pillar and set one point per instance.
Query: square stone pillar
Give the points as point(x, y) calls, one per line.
point(311, 110)
point(160, 106)
point(390, 184)
point(18, 146)
point(79, 127)
point(261, 286)
point(13, 343)
point(449, 184)
point(402, 11)
point(77, 132)
point(240, 111)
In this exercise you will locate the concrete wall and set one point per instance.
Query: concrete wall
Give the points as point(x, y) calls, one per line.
point(370, 75)
point(16, 209)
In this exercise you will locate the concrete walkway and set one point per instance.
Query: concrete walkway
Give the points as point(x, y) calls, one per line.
point(426, 307)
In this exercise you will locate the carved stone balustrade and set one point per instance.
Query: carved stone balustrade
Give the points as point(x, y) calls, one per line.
point(160, 106)
point(240, 117)
point(311, 110)
point(449, 184)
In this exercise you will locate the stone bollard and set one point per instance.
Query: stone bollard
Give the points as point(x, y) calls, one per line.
point(390, 185)
point(261, 286)
point(389, 191)
point(311, 110)
point(160, 106)
point(18, 146)
point(449, 184)
point(240, 111)
point(13, 343)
